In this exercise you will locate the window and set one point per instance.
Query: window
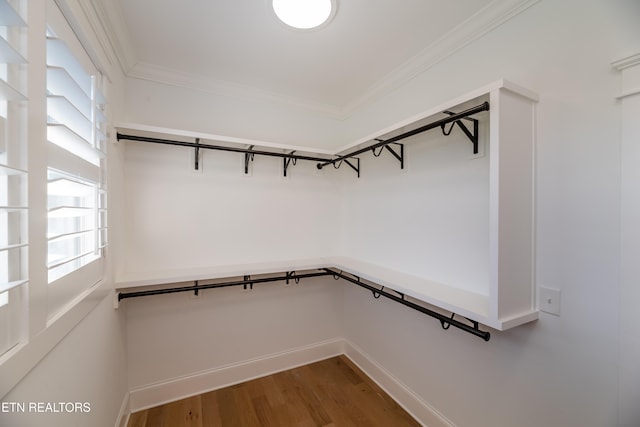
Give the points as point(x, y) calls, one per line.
point(76, 193)
point(53, 215)
point(72, 239)
point(13, 174)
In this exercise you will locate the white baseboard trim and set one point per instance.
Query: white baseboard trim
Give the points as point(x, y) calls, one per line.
point(125, 411)
point(179, 388)
point(422, 411)
point(235, 373)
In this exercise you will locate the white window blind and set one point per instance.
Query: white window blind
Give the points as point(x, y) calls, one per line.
point(13, 174)
point(76, 229)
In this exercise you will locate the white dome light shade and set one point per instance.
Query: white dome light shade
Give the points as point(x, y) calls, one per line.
point(303, 14)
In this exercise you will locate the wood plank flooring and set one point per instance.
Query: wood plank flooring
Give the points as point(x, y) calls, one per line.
point(332, 392)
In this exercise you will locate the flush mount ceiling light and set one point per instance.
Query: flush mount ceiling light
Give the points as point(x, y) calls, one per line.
point(304, 14)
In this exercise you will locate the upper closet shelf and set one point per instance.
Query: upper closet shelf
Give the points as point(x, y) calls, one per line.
point(390, 143)
point(137, 129)
point(458, 112)
point(142, 130)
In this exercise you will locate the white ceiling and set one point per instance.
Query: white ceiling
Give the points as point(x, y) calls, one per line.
point(238, 45)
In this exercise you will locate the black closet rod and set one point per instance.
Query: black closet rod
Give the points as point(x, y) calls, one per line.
point(438, 123)
point(218, 147)
point(444, 320)
point(197, 287)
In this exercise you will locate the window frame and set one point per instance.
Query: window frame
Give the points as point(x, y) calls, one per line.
point(40, 328)
point(82, 156)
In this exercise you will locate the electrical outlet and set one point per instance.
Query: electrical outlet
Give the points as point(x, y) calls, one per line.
point(549, 300)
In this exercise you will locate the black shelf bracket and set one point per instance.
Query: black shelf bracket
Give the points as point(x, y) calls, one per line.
point(452, 118)
point(286, 161)
point(197, 155)
point(248, 157)
point(291, 275)
point(350, 159)
point(398, 155)
point(473, 136)
point(399, 297)
point(247, 281)
point(248, 152)
point(356, 166)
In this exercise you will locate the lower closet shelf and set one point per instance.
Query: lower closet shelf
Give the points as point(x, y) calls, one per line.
point(474, 307)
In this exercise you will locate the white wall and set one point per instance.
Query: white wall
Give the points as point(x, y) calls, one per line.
point(217, 113)
point(178, 218)
point(88, 365)
point(556, 371)
point(559, 370)
point(173, 336)
point(428, 220)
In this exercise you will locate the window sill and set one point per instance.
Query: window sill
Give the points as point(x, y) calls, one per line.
point(17, 362)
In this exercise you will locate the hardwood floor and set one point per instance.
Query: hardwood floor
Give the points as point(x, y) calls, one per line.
point(332, 392)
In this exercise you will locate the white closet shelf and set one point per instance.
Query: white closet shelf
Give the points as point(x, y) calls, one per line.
point(140, 129)
point(468, 304)
point(504, 299)
point(142, 279)
point(162, 132)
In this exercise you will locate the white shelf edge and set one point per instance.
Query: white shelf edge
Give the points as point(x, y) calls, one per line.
point(135, 127)
point(478, 93)
point(504, 324)
point(483, 91)
point(141, 279)
point(464, 303)
point(423, 289)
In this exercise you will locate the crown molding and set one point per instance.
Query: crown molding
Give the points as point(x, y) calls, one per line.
point(629, 69)
point(627, 62)
point(482, 22)
point(109, 26)
point(82, 21)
